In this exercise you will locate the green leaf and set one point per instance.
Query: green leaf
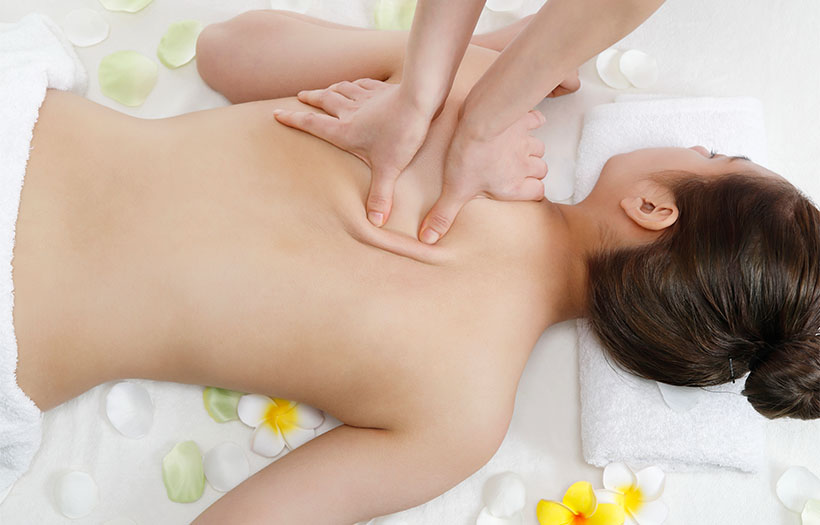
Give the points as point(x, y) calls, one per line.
point(221, 404)
point(178, 44)
point(127, 77)
point(811, 512)
point(182, 473)
point(394, 14)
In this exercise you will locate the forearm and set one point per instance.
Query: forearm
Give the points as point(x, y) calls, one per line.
point(561, 36)
point(438, 39)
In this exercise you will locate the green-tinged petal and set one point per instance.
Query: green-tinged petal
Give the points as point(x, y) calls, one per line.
point(253, 408)
point(580, 498)
point(221, 403)
point(297, 436)
point(606, 514)
point(811, 512)
point(182, 473)
point(308, 417)
point(619, 477)
point(127, 77)
point(226, 466)
point(650, 513)
point(796, 486)
point(129, 6)
point(485, 517)
point(553, 513)
point(650, 482)
point(178, 45)
point(267, 441)
point(394, 15)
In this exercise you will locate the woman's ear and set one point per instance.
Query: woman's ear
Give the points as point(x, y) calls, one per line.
point(651, 207)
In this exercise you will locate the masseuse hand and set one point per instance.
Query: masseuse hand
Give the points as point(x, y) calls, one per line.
point(375, 121)
point(507, 167)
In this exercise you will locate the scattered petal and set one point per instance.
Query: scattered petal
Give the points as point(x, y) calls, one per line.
point(221, 403)
point(606, 514)
point(267, 441)
point(85, 27)
point(485, 517)
point(504, 5)
point(608, 66)
point(297, 6)
point(639, 68)
point(394, 15)
point(129, 409)
point(182, 473)
point(796, 486)
point(650, 482)
point(553, 513)
point(76, 494)
point(811, 512)
point(178, 45)
point(618, 477)
point(650, 513)
point(580, 498)
point(226, 466)
point(307, 416)
point(129, 6)
point(679, 398)
point(127, 77)
point(504, 494)
point(252, 409)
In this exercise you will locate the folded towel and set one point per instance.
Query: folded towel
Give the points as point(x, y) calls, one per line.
point(623, 417)
point(34, 56)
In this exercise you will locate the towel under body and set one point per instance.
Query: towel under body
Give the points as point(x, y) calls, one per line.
point(34, 56)
point(623, 417)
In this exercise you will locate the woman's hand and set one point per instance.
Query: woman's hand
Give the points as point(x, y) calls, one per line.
point(373, 120)
point(506, 167)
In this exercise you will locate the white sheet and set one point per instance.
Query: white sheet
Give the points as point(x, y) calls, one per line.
point(768, 49)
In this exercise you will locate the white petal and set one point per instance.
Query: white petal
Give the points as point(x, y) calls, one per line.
point(679, 398)
point(226, 466)
point(651, 481)
point(628, 520)
point(308, 417)
point(129, 6)
point(129, 409)
point(796, 486)
point(252, 409)
point(811, 512)
point(85, 27)
point(639, 68)
point(504, 494)
point(267, 442)
point(76, 494)
point(618, 476)
point(297, 436)
point(504, 5)
point(651, 513)
point(608, 66)
point(297, 6)
point(486, 518)
point(607, 496)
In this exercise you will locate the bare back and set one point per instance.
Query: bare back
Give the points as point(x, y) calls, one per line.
point(225, 249)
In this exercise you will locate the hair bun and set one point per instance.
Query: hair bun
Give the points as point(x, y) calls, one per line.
point(785, 379)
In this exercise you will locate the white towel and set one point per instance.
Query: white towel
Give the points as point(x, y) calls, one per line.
point(623, 417)
point(33, 57)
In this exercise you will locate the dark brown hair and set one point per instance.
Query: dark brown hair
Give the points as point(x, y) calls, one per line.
point(737, 276)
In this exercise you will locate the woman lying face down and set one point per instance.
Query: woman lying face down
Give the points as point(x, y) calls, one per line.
point(731, 285)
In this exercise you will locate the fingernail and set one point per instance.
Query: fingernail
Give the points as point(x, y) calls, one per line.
point(429, 236)
point(375, 217)
point(277, 111)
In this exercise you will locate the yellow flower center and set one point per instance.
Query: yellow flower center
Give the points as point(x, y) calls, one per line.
point(281, 415)
point(630, 498)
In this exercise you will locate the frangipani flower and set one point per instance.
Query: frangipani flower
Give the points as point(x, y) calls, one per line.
point(637, 494)
point(579, 507)
point(278, 422)
point(799, 490)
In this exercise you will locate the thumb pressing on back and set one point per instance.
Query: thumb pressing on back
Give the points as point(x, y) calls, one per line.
point(440, 218)
point(380, 199)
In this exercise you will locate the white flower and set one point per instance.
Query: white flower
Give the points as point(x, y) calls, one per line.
point(278, 422)
point(637, 493)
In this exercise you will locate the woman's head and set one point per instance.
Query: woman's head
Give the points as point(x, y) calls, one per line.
point(731, 270)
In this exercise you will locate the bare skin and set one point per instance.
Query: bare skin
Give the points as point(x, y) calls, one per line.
point(221, 248)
